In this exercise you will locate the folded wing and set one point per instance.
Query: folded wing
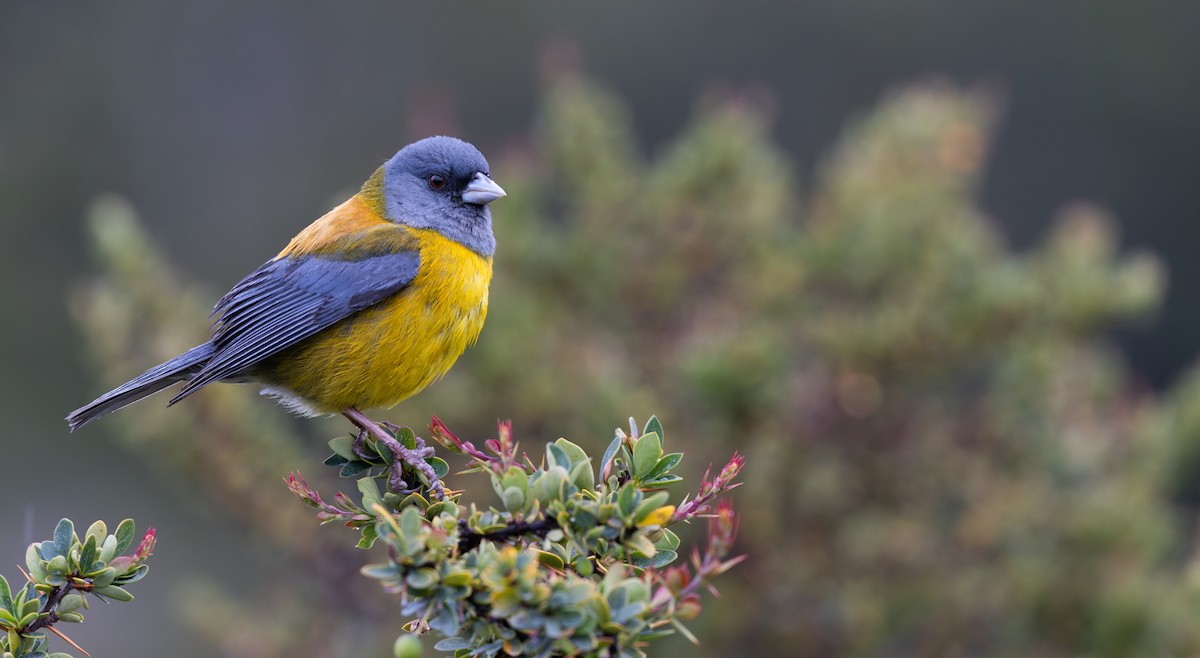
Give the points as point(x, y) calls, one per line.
point(292, 298)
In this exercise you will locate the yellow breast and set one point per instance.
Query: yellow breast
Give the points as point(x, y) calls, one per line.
point(391, 351)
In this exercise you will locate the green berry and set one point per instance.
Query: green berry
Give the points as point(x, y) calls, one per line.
point(407, 646)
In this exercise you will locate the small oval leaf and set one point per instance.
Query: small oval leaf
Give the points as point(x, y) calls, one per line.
point(64, 532)
point(114, 592)
point(125, 535)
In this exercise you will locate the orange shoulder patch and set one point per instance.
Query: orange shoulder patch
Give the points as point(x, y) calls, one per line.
point(352, 230)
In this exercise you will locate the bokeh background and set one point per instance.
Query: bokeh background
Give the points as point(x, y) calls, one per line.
point(844, 238)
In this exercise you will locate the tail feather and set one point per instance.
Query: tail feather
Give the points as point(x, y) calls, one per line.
point(152, 381)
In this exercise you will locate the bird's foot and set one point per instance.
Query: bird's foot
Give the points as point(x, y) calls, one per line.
point(401, 454)
point(359, 447)
point(396, 482)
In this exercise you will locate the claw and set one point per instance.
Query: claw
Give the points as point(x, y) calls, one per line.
point(396, 481)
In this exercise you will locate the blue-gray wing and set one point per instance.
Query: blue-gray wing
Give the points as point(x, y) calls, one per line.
point(289, 299)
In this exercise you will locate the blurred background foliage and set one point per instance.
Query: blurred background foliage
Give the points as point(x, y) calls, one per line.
point(746, 219)
point(946, 456)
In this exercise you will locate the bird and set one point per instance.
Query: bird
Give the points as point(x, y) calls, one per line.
point(363, 308)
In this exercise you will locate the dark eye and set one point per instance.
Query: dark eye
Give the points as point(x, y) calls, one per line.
point(437, 182)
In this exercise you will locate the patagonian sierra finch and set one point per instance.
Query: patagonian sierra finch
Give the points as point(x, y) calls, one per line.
point(363, 308)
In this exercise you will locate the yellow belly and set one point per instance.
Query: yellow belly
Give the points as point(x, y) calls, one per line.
point(391, 351)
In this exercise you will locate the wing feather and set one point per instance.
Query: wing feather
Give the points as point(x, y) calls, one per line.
point(292, 298)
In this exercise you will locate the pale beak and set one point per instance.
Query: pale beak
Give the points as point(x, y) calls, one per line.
point(482, 191)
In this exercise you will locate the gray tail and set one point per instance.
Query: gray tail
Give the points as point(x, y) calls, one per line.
point(150, 382)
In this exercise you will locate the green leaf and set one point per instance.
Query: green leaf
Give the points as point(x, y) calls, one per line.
point(617, 598)
point(33, 562)
point(58, 564)
point(440, 467)
point(114, 592)
point(646, 453)
point(64, 532)
point(441, 507)
point(668, 542)
point(406, 437)
point(125, 535)
point(556, 456)
point(641, 544)
point(550, 560)
point(70, 603)
point(379, 571)
point(421, 578)
point(497, 484)
point(108, 550)
point(138, 573)
point(457, 578)
point(410, 522)
point(98, 530)
point(382, 453)
point(515, 476)
point(574, 452)
point(453, 644)
point(369, 535)
point(354, 469)
point(514, 499)
point(550, 484)
point(583, 477)
point(583, 566)
point(570, 617)
point(343, 446)
point(335, 460)
point(662, 557)
point(6, 601)
point(665, 464)
point(627, 500)
point(30, 606)
point(369, 489)
point(653, 425)
point(610, 453)
point(414, 498)
point(104, 578)
point(87, 555)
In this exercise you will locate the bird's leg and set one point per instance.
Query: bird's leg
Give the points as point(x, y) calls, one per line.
point(401, 455)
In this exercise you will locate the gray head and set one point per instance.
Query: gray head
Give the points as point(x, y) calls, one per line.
point(442, 183)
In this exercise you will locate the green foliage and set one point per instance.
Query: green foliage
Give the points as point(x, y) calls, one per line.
point(564, 565)
point(62, 571)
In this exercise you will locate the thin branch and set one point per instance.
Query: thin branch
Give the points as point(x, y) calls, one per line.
point(469, 539)
point(48, 616)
